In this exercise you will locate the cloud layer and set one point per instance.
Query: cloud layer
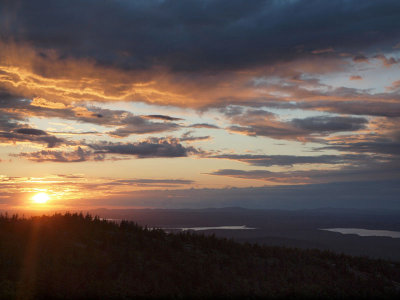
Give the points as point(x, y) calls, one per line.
point(245, 93)
point(200, 35)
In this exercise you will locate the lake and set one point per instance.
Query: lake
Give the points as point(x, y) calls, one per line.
point(365, 232)
point(243, 227)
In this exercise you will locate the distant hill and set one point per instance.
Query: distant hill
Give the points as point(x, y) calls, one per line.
point(78, 256)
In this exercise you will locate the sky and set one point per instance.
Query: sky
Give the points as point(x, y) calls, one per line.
point(200, 103)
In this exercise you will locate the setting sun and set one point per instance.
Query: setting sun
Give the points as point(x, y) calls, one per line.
point(40, 198)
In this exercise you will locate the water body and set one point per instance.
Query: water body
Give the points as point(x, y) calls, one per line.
point(243, 227)
point(365, 232)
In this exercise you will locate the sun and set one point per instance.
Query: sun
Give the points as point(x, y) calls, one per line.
point(40, 198)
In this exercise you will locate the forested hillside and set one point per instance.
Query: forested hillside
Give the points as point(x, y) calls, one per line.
point(78, 256)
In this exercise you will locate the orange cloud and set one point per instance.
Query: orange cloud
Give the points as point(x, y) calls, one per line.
point(356, 77)
point(51, 80)
point(57, 83)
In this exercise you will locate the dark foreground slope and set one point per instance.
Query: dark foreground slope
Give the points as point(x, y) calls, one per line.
point(76, 256)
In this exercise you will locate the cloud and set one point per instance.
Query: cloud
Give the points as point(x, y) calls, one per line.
point(379, 145)
point(322, 51)
point(162, 117)
point(8, 121)
point(150, 148)
point(264, 175)
point(31, 131)
point(290, 160)
point(360, 58)
point(330, 124)
point(35, 136)
point(78, 155)
point(387, 62)
point(118, 186)
point(155, 52)
point(395, 86)
point(355, 77)
point(204, 125)
point(124, 122)
point(382, 140)
point(233, 57)
point(139, 125)
point(272, 131)
point(13, 127)
point(187, 137)
point(367, 107)
point(151, 182)
point(199, 35)
point(264, 123)
point(371, 171)
point(250, 86)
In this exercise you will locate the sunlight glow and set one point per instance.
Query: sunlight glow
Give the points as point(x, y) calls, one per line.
point(40, 198)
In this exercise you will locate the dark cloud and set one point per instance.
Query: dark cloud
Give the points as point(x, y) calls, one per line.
point(71, 176)
point(9, 118)
point(275, 177)
point(231, 110)
point(125, 122)
point(107, 185)
point(162, 117)
point(330, 124)
point(387, 61)
point(133, 184)
point(271, 130)
point(50, 140)
point(371, 108)
point(380, 146)
point(360, 58)
point(290, 160)
point(264, 123)
point(199, 35)
point(152, 182)
point(187, 137)
point(13, 128)
point(150, 148)
point(146, 149)
point(31, 131)
point(370, 171)
point(138, 125)
point(78, 155)
point(204, 125)
point(7, 121)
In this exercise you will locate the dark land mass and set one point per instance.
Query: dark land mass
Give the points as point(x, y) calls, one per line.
point(76, 256)
point(299, 228)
